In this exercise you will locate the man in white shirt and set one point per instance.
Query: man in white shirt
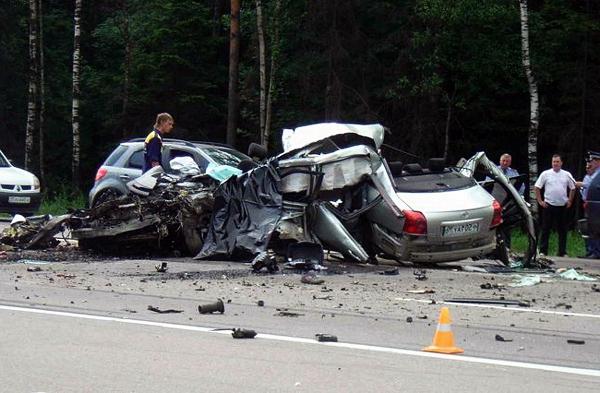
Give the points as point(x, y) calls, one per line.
point(559, 191)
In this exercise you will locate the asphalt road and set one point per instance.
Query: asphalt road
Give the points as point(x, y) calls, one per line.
point(67, 354)
point(84, 325)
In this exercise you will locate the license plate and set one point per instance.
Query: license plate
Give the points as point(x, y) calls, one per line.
point(18, 199)
point(460, 229)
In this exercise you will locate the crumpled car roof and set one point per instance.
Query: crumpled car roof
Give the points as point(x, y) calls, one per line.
point(305, 135)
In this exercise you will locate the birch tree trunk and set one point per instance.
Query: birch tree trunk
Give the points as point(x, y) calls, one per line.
point(42, 92)
point(262, 70)
point(447, 129)
point(234, 57)
point(32, 108)
point(126, 67)
point(275, 50)
point(76, 92)
point(532, 136)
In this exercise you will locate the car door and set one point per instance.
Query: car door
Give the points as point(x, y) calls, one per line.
point(131, 166)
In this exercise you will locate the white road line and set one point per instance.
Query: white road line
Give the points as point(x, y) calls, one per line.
point(520, 309)
point(371, 348)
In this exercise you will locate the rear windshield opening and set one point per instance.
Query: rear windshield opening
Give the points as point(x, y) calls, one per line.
point(433, 182)
point(115, 155)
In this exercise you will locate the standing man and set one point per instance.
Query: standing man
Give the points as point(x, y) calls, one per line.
point(153, 142)
point(559, 191)
point(504, 166)
point(592, 168)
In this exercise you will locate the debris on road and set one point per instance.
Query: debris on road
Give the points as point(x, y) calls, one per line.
point(210, 308)
point(502, 339)
point(311, 278)
point(35, 232)
point(576, 342)
point(33, 262)
point(34, 269)
point(501, 302)
point(489, 285)
point(525, 281)
point(243, 333)
point(324, 337)
point(162, 268)
point(420, 275)
point(421, 291)
point(391, 272)
point(572, 274)
point(286, 313)
point(166, 311)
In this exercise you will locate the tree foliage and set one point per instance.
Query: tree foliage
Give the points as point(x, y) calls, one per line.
point(403, 63)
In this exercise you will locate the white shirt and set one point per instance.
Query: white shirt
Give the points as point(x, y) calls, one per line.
point(555, 186)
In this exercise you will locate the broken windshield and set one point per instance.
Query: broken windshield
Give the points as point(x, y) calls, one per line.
point(224, 156)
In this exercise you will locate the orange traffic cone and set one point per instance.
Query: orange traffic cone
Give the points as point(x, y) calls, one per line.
point(443, 341)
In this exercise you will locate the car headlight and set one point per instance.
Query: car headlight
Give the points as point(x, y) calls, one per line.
point(36, 183)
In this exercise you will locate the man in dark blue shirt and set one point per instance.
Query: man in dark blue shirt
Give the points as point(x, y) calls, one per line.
point(153, 142)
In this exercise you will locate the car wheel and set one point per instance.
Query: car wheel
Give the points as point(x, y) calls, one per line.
point(107, 195)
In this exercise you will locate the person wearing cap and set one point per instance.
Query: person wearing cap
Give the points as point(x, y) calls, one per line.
point(592, 168)
point(153, 142)
point(559, 191)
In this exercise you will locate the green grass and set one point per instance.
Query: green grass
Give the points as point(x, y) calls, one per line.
point(575, 243)
point(61, 199)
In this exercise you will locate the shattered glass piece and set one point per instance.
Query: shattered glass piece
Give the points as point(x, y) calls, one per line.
point(222, 172)
point(525, 281)
point(572, 274)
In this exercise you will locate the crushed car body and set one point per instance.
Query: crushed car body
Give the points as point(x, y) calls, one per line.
point(332, 187)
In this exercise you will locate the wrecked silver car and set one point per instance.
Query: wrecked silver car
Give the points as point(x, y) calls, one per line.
point(332, 187)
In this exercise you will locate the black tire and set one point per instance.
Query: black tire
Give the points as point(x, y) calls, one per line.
point(109, 194)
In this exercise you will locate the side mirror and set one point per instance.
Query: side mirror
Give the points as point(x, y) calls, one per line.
point(257, 151)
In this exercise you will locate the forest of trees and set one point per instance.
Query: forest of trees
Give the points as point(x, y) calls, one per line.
point(426, 69)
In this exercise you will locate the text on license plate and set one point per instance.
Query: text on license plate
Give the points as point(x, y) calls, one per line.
point(18, 199)
point(460, 229)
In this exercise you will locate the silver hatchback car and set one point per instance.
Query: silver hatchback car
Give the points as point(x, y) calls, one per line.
point(125, 163)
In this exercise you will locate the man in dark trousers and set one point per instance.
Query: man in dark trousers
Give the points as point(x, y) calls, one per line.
point(153, 142)
point(559, 191)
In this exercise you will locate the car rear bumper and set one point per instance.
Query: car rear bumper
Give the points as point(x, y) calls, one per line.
point(19, 202)
point(461, 252)
point(421, 249)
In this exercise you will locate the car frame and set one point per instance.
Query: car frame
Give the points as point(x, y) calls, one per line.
point(20, 190)
point(336, 189)
point(126, 161)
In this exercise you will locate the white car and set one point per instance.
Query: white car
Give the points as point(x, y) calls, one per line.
point(19, 189)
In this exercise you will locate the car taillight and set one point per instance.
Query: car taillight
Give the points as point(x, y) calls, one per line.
point(414, 223)
point(101, 173)
point(497, 219)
